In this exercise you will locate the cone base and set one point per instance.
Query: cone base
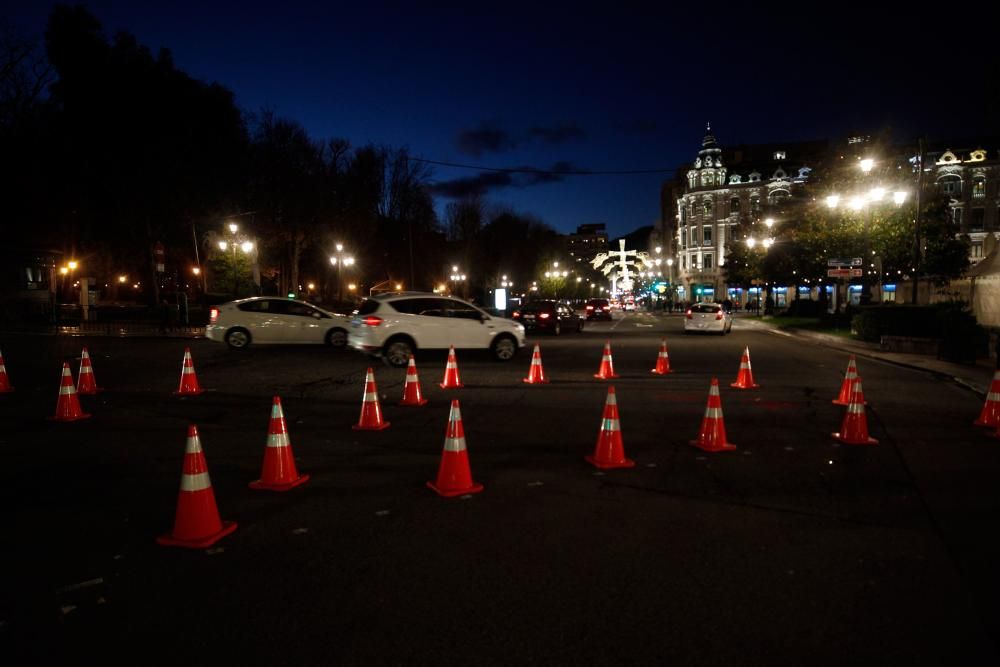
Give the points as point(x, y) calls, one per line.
point(727, 447)
point(378, 427)
point(287, 486)
point(451, 493)
point(415, 404)
point(604, 465)
point(840, 438)
point(445, 385)
point(658, 372)
point(79, 417)
point(201, 543)
point(740, 385)
point(599, 376)
point(530, 381)
point(985, 422)
point(188, 393)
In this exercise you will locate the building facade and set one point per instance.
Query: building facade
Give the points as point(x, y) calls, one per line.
point(970, 178)
point(587, 242)
point(726, 191)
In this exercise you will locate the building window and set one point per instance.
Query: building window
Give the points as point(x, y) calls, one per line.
point(707, 208)
point(684, 262)
point(977, 220)
point(706, 235)
point(779, 155)
point(691, 181)
point(706, 261)
point(956, 216)
point(777, 196)
point(950, 185)
point(734, 205)
point(755, 204)
point(979, 186)
point(694, 236)
point(976, 251)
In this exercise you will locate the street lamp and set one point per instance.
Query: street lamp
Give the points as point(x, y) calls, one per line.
point(339, 259)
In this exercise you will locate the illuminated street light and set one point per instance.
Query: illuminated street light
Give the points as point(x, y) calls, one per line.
point(223, 246)
point(195, 270)
point(123, 279)
point(751, 242)
point(63, 270)
point(876, 194)
point(399, 287)
point(311, 286)
point(233, 228)
point(899, 197)
point(866, 165)
point(832, 201)
point(856, 203)
point(769, 222)
point(246, 247)
point(72, 264)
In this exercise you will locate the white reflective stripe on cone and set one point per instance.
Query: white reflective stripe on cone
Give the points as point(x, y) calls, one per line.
point(68, 389)
point(993, 396)
point(713, 413)
point(855, 408)
point(610, 425)
point(612, 400)
point(454, 444)
point(713, 390)
point(371, 397)
point(193, 446)
point(277, 440)
point(188, 370)
point(198, 482)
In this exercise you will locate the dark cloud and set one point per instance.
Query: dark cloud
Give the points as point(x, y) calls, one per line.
point(518, 177)
point(487, 138)
point(558, 134)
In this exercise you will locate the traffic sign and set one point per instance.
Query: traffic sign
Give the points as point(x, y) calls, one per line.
point(844, 272)
point(843, 261)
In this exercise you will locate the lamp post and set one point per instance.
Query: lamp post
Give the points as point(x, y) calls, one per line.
point(340, 259)
point(458, 278)
point(236, 243)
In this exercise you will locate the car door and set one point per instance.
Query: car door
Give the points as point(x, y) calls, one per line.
point(303, 324)
point(467, 327)
point(426, 320)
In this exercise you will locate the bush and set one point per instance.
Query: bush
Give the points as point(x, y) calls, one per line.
point(962, 339)
point(806, 308)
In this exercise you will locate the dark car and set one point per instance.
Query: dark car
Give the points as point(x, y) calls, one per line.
point(550, 316)
point(598, 309)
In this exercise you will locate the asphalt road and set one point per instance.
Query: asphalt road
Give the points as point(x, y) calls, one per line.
point(790, 549)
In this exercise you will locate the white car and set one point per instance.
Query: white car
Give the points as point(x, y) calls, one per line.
point(271, 319)
point(708, 318)
point(397, 325)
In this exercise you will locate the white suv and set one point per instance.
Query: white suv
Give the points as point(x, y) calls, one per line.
point(396, 325)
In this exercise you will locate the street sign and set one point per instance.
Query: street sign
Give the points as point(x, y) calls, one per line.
point(844, 272)
point(843, 262)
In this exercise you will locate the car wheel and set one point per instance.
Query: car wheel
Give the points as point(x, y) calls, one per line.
point(397, 352)
point(237, 339)
point(504, 348)
point(336, 338)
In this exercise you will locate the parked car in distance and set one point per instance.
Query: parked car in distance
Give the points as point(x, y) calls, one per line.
point(707, 317)
point(598, 309)
point(552, 317)
point(271, 319)
point(397, 324)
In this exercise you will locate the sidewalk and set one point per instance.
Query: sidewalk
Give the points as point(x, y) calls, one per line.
point(976, 377)
point(116, 329)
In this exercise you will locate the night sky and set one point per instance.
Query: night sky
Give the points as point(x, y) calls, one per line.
point(577, 88)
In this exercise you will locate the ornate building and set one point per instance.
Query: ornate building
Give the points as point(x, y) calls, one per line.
point(724, 190)
point(971, 180)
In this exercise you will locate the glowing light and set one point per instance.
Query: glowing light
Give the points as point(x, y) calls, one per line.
point(233, 227)
point(751, 242)
point(123, 279)
point(195, 270)
point(311, 286)
point(246, 246)
point(866, 165)
point(223, 246)
point(352, 286)
point(399, 286)
point(340, 247)
point(832, 201)
point(768, 243)
point(899, 197)
point(72, 265)
point(856, 203)
point(63, 270)
point(876, 194)
point(769, 222)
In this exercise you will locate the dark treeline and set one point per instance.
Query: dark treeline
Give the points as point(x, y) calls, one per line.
point(109, 149)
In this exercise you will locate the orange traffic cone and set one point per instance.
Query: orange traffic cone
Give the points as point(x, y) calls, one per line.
point(609, 452)
point(990, 415)
point(847, 386)
point(854, 427)
point(86, 384)
point(5, 387)
point(712, 437)
point(454, 477)
point(536, 374)
point(371, 410)
point(744, 380)
point(189, 381)
point(196, 524)
point(451, 379)
point(411, 390)
point(68, 405)
point(279, 472)
point(662, 360)
point(607, 369)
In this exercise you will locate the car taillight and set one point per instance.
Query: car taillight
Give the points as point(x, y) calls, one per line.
point(516, 314)
point(688, 314)
point(543, 316)
point(718, 315)
point(372, 321)
point(213, 315)
point(606, 308)
point(590, 307)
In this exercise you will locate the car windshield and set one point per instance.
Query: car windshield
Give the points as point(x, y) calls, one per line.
point(368, 307)
point(705, 308)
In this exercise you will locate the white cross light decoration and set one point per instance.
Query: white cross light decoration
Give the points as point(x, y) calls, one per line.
point(616, 264)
